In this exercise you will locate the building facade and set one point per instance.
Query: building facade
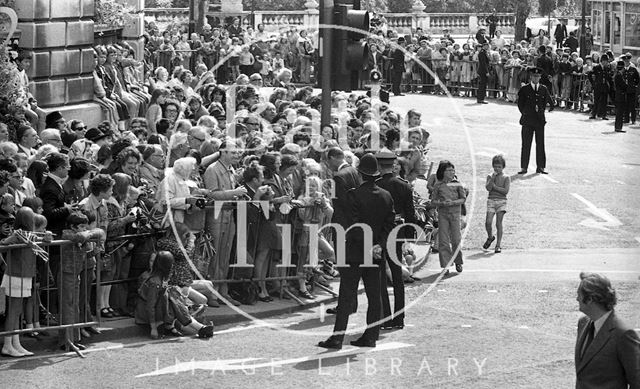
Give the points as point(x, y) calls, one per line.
point(616, 26)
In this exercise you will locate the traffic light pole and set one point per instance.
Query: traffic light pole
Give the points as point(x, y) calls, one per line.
point(326, 49)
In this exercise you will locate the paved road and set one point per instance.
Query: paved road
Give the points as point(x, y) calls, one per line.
point(508, 320)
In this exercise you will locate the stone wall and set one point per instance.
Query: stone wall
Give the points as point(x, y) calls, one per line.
point(60, 34)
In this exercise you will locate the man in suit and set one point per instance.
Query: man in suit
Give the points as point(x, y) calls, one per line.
point(560, 33)
point(492, 22)
point(532, 101)
point(402, 195)
point(607, 353)
point(345, 178)
point(633, 80)
point(397, 67)
point(219, 178)
point(362, 200)
point(52, 194)
point(483, 73)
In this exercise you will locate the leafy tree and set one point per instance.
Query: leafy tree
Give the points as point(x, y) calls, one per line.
point(270, 5)
point(375, 5)
point(400, 6)
point(522, 8)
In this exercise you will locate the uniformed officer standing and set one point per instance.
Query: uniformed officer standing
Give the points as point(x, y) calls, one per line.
point(633, 80)
point(620, 100)
point(402, 195)
point(602, 83)
point(532, 101)
point(397, 67)
point(372, 206)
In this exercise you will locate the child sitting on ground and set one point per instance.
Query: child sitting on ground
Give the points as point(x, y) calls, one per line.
point(160, 305)
point(498, 187)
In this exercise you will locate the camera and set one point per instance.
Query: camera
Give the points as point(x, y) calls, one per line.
point(200, 203)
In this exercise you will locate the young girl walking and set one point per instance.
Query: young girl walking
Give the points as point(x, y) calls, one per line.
point(498, 187)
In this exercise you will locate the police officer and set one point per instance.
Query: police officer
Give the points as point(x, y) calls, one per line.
point(633, 80)
point(602, 83)
point(532, 101)
point(397, 67)
point(402, 195)
point(363, 200)
point(620, 100)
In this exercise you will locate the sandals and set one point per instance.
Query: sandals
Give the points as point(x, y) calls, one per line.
point(105, 312)
point(488, 242)
point(498, 249)
point(306, 294)
point(205, 332)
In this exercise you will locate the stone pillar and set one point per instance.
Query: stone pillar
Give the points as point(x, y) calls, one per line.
point(60, 34)
point(311, 18)
point(134, 26)
point(473, 23)
point(418, 8)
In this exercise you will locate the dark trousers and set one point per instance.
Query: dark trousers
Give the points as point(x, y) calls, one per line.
point(398, 289)
point(528, 133)
point(482, 86)
point(492, 30)
point(349, 278)
point(620, 110)
point(630, 113)
point(396, 79)
point(599, 104)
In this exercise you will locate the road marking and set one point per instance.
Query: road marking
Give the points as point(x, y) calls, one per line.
point(546, 177)
point(543, 291)
point(484, 154)
point(241, 363)
point(540, 271)
point(587, 181)
point(638, 239)
point(524, 327)
point(609, 220)
point(492, 291)
point(443, 290)
point(621, 182)
point(466, 326)
point(496, 151)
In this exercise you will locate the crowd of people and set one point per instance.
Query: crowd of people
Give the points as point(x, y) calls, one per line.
point(158, 184)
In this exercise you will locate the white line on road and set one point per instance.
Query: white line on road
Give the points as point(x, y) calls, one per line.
point(492, 291)
point(587, 181)
point(546, 177)
point(543, 291)
point(524, 327)
point(494, 150)
point(609, 219)
point(638, 239)
point(466, 326)
point(540, 271)
point(621, 182)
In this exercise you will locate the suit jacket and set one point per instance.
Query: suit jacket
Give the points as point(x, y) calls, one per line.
point(546, 64)
point(560, 32)
point(483, 62)
point(402, 196)
point(362, 201)
point(53, 205)
point(528, 100)
point(612, 360)
point(397, 61)
point(621, 87)
point(344, 180)
point(601, 79)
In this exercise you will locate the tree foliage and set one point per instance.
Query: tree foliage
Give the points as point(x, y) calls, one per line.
point(400, 5)
point(270, 5)
point(545, 7)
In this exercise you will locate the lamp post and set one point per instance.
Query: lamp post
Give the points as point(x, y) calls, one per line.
point(583, 31)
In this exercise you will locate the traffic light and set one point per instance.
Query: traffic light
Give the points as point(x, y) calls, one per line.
point(350, 53)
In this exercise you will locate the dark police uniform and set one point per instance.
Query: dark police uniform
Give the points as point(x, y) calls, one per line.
point(632, 77)
point(620, 99)
point(397, 68)
point(532, 101)
point(402, 195)
point(372, 206)
point(602, 82)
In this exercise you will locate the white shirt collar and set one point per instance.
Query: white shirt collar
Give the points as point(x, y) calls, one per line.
point(600, 322)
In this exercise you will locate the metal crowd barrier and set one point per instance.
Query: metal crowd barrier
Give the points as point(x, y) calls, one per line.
point(63, 309)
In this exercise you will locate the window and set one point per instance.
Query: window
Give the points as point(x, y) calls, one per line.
point(632, 25)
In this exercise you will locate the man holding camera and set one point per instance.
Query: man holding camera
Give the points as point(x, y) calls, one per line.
point(220, 179)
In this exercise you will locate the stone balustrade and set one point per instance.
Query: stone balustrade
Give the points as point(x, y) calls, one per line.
point(435, 23)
